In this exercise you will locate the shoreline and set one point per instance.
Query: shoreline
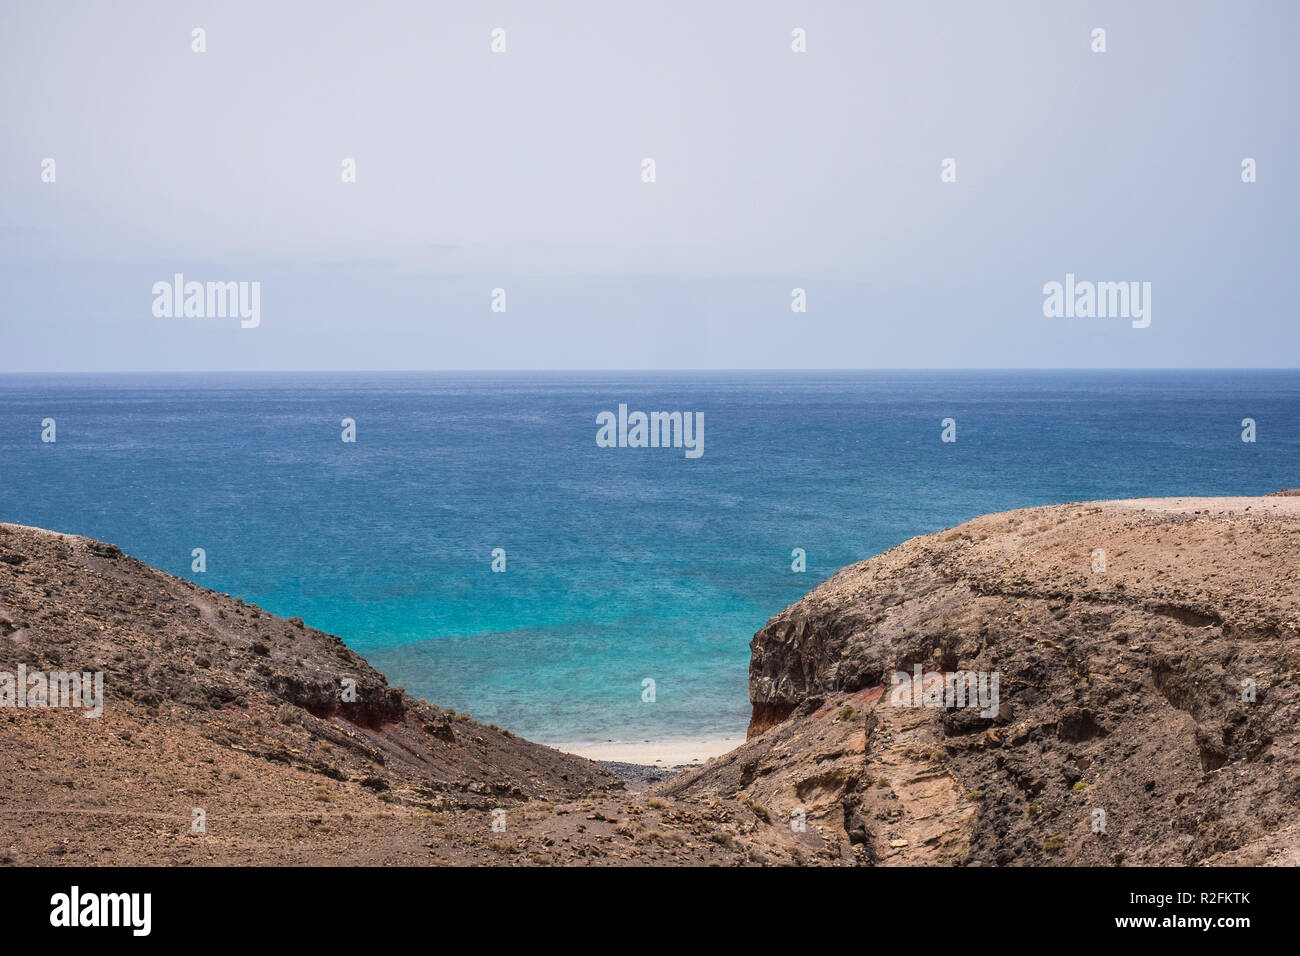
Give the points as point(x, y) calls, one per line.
point(664, 754)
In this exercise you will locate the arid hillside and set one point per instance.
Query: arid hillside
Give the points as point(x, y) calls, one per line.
point(1146, 656)
point(216, 705)
point(1147, 653)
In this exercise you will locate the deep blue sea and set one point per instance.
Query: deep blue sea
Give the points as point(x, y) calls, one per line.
point(621, 563)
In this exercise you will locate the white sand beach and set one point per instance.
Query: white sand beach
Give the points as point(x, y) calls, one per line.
point(659, 753)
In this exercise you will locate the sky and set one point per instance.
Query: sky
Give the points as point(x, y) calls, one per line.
point(522, 170)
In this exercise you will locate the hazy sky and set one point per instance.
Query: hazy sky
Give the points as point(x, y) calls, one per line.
point(523, 170)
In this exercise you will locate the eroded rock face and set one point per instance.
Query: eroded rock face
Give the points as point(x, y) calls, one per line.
point(1126, 690)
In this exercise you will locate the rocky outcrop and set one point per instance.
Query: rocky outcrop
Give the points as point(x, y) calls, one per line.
point(1148, 710)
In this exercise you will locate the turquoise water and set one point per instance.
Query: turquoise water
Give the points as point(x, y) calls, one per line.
point(621, 563)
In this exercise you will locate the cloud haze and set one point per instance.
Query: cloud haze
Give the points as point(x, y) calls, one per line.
point(522, 171)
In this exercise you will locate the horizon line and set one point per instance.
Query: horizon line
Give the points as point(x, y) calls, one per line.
point(571, 371)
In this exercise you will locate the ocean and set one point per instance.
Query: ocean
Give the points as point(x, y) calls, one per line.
point(622, 565)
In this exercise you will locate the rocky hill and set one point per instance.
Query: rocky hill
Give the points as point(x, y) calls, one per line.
point(1147, 712)
point(213, 704)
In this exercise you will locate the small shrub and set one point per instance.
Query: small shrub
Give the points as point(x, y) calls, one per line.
point(759, 811)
